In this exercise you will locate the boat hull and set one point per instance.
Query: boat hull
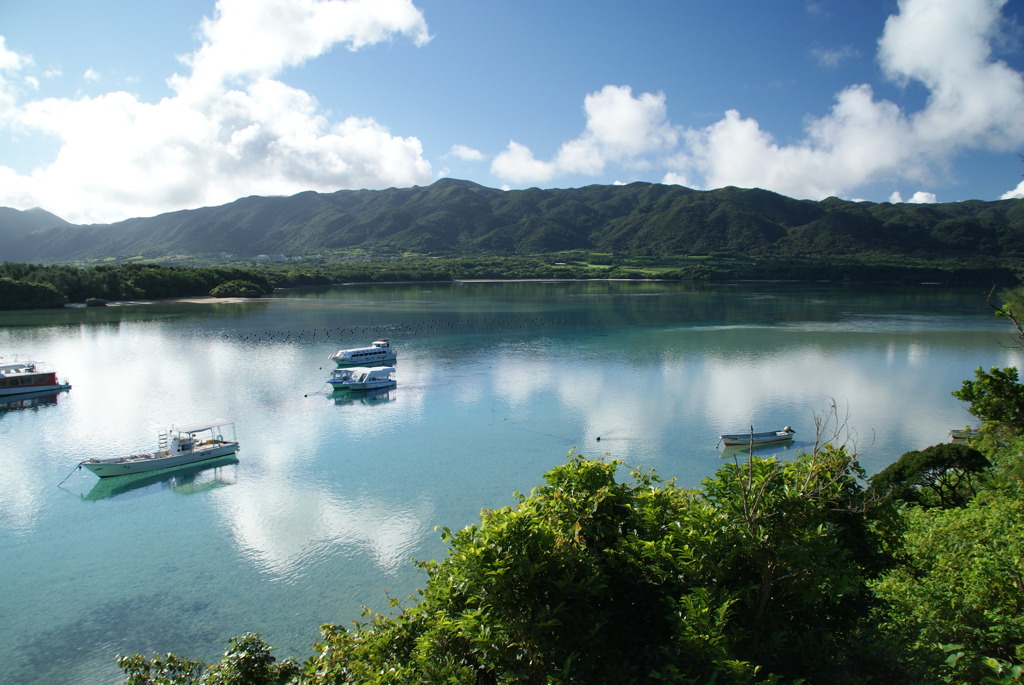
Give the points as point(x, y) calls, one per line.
point(372, 385)
point(28, 389)
point(153, 461)
point(347, 362)
point(755, 439)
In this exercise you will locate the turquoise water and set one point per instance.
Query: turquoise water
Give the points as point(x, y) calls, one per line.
point(331, 496)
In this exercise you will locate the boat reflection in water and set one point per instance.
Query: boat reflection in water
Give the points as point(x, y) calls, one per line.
point(762, 451)
point(182, 480)
point(29, 400)
point(377, 396)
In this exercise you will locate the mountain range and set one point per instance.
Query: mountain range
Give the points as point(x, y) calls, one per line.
point(458, 218)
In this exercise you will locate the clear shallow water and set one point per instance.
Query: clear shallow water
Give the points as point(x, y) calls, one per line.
point(331, 496)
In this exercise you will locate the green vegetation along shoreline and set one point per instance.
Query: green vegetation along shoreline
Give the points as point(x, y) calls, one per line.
point(31, 286)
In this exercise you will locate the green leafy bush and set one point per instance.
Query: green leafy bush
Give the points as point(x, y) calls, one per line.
point(237, 289)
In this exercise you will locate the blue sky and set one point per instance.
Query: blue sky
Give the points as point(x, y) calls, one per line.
point(110, 110)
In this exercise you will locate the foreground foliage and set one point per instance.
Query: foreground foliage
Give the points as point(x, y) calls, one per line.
point(588, 579)
point(247, 661)
point(771, 572)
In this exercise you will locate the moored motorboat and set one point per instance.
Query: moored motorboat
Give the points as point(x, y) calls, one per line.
point(379, 352)
point(177, 446)
point(363, 378)
point(25, 377)
point(754, 439)
point(184, 480)
point(956, 434)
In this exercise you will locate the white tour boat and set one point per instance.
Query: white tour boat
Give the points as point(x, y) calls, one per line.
point(175, 447)
point(26, 377)
point(379, 352)
point(360, 378)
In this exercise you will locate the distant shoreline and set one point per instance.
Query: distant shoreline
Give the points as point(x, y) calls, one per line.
point(170, 300)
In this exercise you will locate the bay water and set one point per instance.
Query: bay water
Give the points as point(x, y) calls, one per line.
point(333, 495)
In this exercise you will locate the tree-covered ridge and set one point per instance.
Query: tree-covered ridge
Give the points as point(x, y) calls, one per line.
point(453, 218)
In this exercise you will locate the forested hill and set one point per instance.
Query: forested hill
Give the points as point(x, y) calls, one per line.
point(453, 217)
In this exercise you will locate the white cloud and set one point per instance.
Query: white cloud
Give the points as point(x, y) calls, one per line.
point(11, 77)
point(10, 61)
point(229, 130)
point(974, 102)
point(91, 75)
point(919, 198)
point(250, 39)
point(466, 153)
point(518, 165)
point(946, 45)
point(675, 179)
point(1015, 194)
point(620, 128)
point(833, 57)
point(923, 198)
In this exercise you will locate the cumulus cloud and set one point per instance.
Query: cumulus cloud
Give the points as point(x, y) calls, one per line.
point(230, 129)
point(12, 80)
point(466, 153)
point(974, 102)
point(518, 165)
point(921, 197)
point(620, 128)
point(1015, 194)
point(253, 39)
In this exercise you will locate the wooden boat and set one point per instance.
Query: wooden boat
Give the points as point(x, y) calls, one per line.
point(379, 352)
point(177, 446)
point(359, 378)
point(754, 439)
point(25, 377)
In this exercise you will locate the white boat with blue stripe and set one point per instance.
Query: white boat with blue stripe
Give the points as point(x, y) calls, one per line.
point(380, 352)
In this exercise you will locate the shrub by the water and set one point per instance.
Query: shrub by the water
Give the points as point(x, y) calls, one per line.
point(237, 289)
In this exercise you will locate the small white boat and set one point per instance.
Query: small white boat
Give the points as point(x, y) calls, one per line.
point(361, 378)
point(26, 377)
point(175, 447)
point(754, 439)
point(956, 434)
point(379, 352)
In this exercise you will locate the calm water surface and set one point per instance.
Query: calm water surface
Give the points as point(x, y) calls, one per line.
point(331, 496)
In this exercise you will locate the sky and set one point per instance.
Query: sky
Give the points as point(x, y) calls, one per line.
point(113, 109)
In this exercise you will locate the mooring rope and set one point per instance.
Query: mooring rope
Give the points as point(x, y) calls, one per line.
point(77, 468)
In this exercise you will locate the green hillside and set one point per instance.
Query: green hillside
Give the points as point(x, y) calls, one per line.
point(453, 218)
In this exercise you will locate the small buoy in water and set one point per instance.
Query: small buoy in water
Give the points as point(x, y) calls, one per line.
point(599, 438)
